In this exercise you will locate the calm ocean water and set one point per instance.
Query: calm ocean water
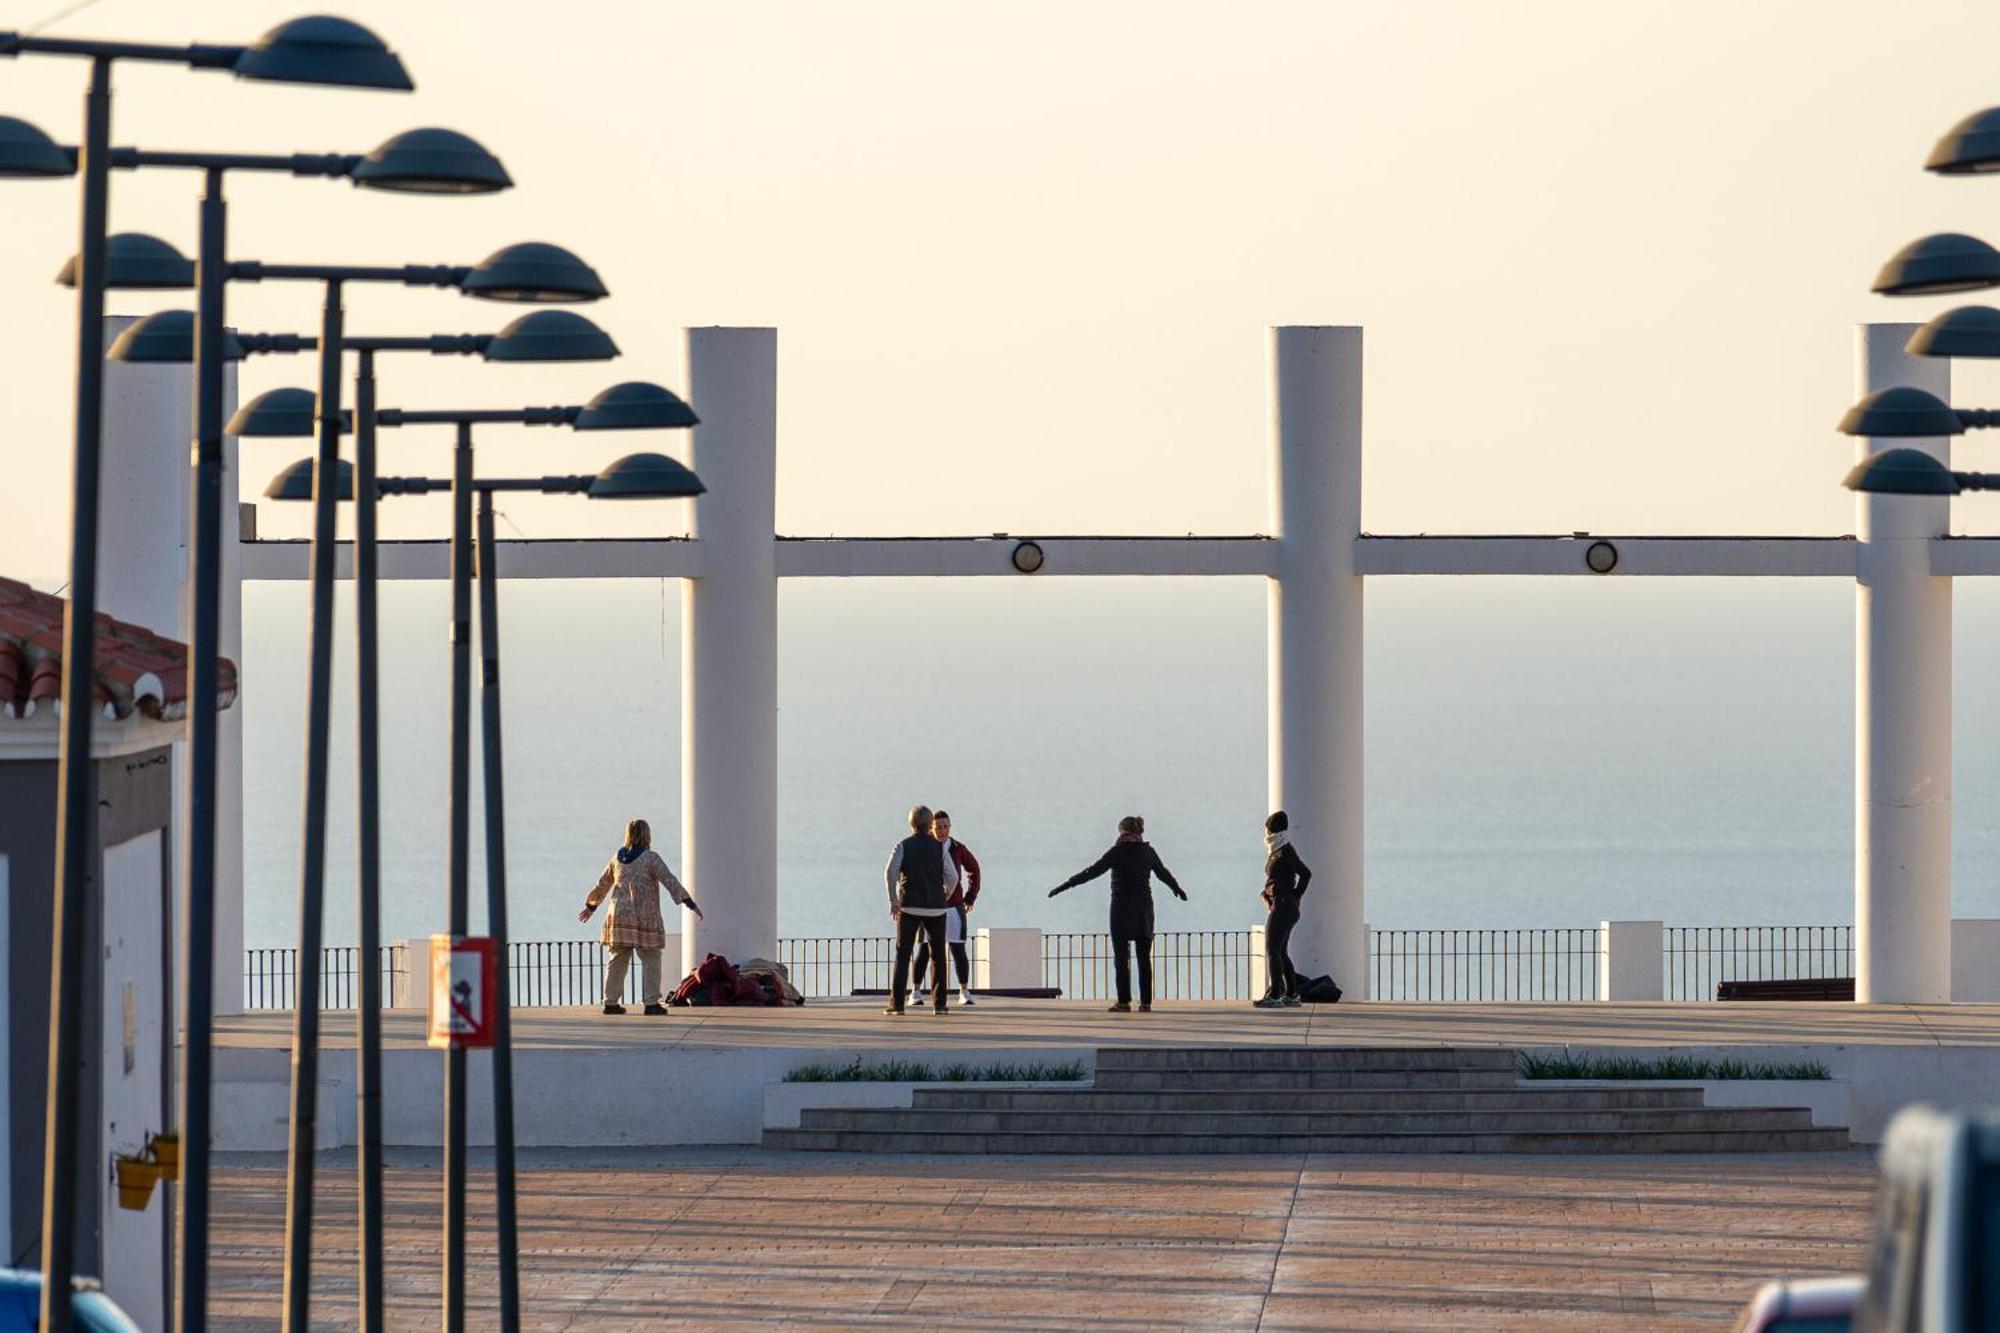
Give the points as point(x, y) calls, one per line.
point(1540, 752)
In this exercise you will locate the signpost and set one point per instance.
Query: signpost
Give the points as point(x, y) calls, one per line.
point(464, 990)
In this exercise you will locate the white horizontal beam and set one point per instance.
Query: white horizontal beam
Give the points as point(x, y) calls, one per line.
point(939, 557)
point(1965, 555)
point(540, 558)
point(1740, 557)
point(935, 557)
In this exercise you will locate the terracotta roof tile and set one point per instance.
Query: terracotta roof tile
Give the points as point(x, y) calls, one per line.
point(136, 668)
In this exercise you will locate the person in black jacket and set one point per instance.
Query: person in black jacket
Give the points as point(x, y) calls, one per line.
point(920, 878)
point(1132, 862)
point(1285, 880)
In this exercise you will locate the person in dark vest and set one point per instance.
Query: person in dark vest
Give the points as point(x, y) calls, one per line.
point(1285, 880)
point(957, 905)
point(1132, 863)
point(921, 878)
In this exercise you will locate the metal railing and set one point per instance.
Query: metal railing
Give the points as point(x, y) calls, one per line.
point(1697, 957)
point(1540, 964)
point(270, 976)
point(1556, 964)
point(1187, 965)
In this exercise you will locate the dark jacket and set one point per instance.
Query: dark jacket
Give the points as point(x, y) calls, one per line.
point(1132, 864)
point(1286, 877)
point(920, 876)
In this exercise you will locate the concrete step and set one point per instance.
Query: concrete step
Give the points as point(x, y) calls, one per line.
point(1316, 1058)
point(1526, 1097)
point(1244, 1124)
point(1095, 1145)
point(1154, 1079)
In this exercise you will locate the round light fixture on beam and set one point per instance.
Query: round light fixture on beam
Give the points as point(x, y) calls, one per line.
point(1600, 557)
point(1027, 557)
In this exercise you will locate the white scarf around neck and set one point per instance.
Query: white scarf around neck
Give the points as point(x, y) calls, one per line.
point(1274, 841)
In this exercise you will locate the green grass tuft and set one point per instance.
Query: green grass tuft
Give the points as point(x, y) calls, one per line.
point(1683, 1068)
point(916, 1071)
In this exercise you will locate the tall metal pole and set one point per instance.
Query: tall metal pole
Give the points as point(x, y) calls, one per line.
point(459, 867)
point(312, 877)
point(368, 1012)
point(496, 919)
point(198, 944)
point(76, 811)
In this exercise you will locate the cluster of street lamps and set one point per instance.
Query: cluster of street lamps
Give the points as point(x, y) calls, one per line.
point(326, 51)
point(1937, 265)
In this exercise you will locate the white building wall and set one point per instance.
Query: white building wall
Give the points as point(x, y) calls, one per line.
point(133, 1046)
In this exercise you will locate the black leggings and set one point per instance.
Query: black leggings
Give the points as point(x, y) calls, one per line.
point(920, 968)
point(1281, 978)
point(908, 928)
point(1123, 947)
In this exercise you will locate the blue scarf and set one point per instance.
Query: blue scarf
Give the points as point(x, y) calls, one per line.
point(627, 855)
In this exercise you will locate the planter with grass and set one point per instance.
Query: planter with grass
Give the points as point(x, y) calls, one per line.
point(1723, 1080)
point(860, 1084)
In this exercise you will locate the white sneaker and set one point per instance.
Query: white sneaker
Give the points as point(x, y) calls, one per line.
point(965, 997)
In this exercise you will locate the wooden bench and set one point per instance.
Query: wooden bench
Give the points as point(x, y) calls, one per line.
point(1790, 988)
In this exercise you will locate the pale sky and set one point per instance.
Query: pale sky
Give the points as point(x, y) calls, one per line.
point(1022, 255)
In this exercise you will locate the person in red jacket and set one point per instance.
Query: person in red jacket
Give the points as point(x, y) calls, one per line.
point(957, 905)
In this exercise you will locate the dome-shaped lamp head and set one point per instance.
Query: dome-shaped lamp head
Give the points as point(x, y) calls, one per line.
point(551, 335)
point(1971, 147)
point(533, 271)
point(1901, 413)
point(645, 477)
point(277, 412)
point(28, 154)
point(296, 481)
point(432, 161)
point(1970, 330)
point(135, 261)
point(323, 49)
point(1947, 262)
point(1902, 472)
point(167, 337)
point(635, 405)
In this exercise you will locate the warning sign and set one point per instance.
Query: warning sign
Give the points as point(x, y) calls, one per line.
point(464, 990)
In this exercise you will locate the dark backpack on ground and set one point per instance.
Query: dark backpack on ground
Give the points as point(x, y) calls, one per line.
point(1319, 990)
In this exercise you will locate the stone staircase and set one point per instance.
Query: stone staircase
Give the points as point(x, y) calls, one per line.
point(1308, 1099)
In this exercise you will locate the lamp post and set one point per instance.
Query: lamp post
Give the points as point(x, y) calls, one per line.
point(540, 336)
point(636, 476)
point(284, 412)
point(530, 271)
point(433, 161)
point(318, 50)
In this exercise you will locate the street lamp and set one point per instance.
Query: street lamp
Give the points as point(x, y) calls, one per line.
point(539, 336)
point(319, 50)
point(1940, 264)
point(632, 406)
point(627, 479)
point(530, 271)
point(1914, 472)
point(1905, 412)
point(430, 160)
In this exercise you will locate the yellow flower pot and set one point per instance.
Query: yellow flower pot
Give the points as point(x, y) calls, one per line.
point(136, 1178)
point(167, 1152)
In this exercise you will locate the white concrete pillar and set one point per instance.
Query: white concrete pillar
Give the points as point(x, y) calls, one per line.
point(1631, 960)
point(1260, 963)
point(1902, 723)
point(1007, 957)
point(729, 697)
point(1315, 636)
point(1975, 961)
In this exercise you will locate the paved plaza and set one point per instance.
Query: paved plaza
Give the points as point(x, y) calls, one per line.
point(727, 1237)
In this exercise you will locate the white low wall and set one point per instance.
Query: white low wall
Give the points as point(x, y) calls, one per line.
point(577, 1097)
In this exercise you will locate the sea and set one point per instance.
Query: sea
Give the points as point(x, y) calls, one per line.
point(1540, 752)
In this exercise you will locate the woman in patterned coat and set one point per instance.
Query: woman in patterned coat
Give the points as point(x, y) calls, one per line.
point(632, 880)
